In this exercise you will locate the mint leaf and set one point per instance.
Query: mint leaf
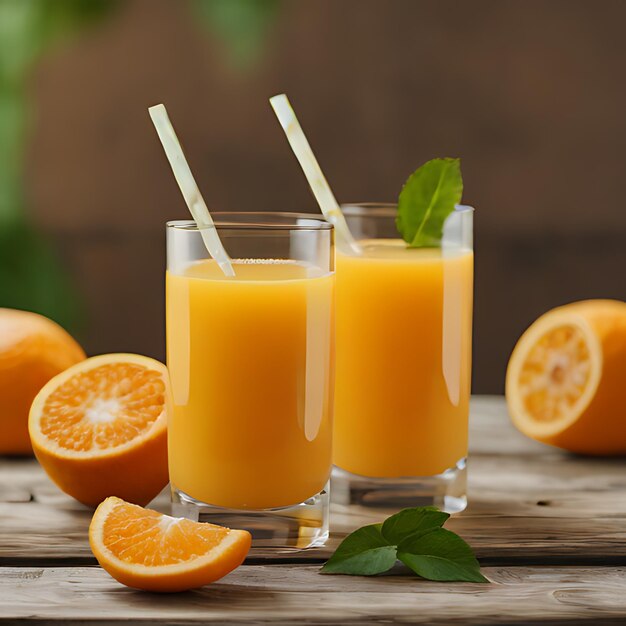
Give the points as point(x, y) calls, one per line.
point(441, 555)
point(412, 522)
point(364, 552)
point(416, 538)
point(427, 198)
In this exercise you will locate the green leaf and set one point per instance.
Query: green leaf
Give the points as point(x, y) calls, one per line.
point(427, 198)
point(364, 552)
point(441, 555)
point(416, 538)
point(410, 522)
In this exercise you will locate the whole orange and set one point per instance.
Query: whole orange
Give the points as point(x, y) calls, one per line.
point(33, 349)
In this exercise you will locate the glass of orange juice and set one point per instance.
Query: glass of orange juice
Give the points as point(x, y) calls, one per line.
point(404, 338)
point(251, 367)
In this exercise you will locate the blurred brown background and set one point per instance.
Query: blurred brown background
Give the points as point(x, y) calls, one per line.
point(530, 95)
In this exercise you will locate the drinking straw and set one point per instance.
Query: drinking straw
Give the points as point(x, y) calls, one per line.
point(318, 183)
point(189, 188)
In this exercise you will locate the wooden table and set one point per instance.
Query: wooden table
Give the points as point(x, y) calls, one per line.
point(549, 529)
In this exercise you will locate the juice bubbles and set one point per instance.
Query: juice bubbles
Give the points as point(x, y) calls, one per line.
point(404, 322)
point(250, 367)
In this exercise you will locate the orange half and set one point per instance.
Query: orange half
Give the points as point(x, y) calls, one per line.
point(148, 550)
point(99, 428)
point(565, 378)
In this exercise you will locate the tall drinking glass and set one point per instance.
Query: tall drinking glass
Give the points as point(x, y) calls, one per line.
point(404, 335)
point(251, 367)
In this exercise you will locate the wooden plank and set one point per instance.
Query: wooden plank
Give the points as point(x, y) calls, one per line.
point(45, 535)
point(288, 593)
point(523, 486)
point(564, 511)
point(528, 504)
point(491, 431)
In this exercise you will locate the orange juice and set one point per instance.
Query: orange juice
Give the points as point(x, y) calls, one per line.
point(404, 320)
point(250, 367)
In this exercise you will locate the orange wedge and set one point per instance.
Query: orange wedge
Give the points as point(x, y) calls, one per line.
point(565, 383)
point(99, 428)
point(148, 550)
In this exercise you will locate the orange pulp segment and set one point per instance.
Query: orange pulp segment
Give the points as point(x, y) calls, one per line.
point(102, 408)
point(555, 373)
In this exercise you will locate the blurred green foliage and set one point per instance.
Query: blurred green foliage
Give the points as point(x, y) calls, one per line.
point(31, 276)
point(26, 28)
point(241, 24)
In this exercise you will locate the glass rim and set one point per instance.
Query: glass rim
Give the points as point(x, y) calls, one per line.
point(385, 209)
point(257, 221)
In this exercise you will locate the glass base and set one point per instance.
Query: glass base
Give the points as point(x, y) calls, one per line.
point(446, 491)
point(288, 529)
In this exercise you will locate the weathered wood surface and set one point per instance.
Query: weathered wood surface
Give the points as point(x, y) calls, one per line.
point(299, 594)
point(529, 504)
point(554, 525)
